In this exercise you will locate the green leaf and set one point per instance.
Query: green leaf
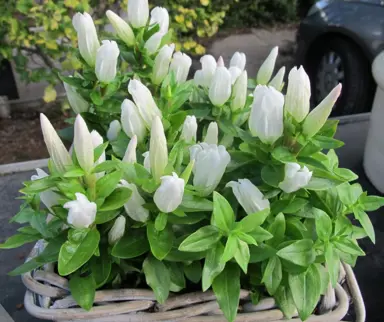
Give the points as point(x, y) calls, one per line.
point(116, 199)
point(230, 248)
point(346, 174)
point(193, 271)
point(96, 98)
point(347, 245)
point(273, 175)
point(74, 173)
point(107, 184)
point(134, 243)
point(242, 255)
point(23, 216)
point(39, 185)
point(284, 300)
point(283, 154)
point(319, 184)
point(260, 234)
point(306, 290)
point(18, 240)
point(77, 250)
point(273, 274)
point(186, 220)
point(327, 142)
point(108, 165)
point(323, 225)
point(251, 222)
point(226, 287)
point(365, 222)
point(106, 216)
point(101, 268)
point(193, 203)
point(333, 263)
point(371, 203)
point(161, 221)
point(223, 216)
point(349, 194)
point(83, 290)
point(160, 241)
point(300, 252)
point(261, 253)
point(99, 150)
point(203, 239)
point(246, 238)
point(157, 277)
point(177, 256)
point(295, 205)
point(177, 276)
point(277, 229)
point(213, 265)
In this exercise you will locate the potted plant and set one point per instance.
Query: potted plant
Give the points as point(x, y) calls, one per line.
point(205, 199)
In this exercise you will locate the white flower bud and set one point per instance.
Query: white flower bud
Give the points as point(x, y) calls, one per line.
point(97, 140)
point(203, 77)
point(238, 60)
point(158, 151)
point(170, 193)
point(240, 91)
point(212, 136)
point(278, 81)
point(248, 196)
point(180, 65)
point(131, 121)
point(130, 153)
point(319, 115)
point(235, 73)
point(117, 230)
point(220, 87)
point(144, 101)
point(134, 206)
point(147, 161)
point(123, 30)
point(77, 102)
point(83, 144)
point(153, 43)
point(138, 13)
point(266, 70)
point(56, 149)
point(161, 65)
point(48, 197)
point(188, 134)
point(210, 164)
point(160, 16)
point(82, 212)
point(295, 177)
point(298, 94)
point(106, 61)
point(87, 37)
point(113, 130)
point(266, 120)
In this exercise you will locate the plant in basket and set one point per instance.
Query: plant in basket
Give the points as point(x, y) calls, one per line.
point(218, 183)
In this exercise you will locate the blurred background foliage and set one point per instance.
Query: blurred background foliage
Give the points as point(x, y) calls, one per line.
point(41, 31)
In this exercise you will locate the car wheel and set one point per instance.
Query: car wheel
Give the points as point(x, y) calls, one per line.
point(337, 60)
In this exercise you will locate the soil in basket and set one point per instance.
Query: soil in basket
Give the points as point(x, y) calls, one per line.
point(21, 138)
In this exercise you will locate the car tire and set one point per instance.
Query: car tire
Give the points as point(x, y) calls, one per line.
point(358, 84)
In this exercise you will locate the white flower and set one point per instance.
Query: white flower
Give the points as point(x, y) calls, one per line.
point(238, 60)
point(203, 77)
point(212, 136)
point(180, 65)
point(147, 161)
point(210, 164)
point(170, 193)
point(278, 81)
point(77, 102)
point(265, 72)
point(267, 114)
point(131, 121)
point(138, 13)
point(117, 230)
point(161, 65)
point(106, 61)
point(295, 177)
point(134, 206)
point(235, 73)
point(240, 91)
point(158, 151)
point(153, 43)
point(48, 197)
point(123, 30)
point(298, 94)
point(188, 134)
point(160, 16)
point(319, 115)
point(83, 144)
point(248, 195)
point(221, 86)
point(82, 212)
point(97, 140)
point(144, 102)
point(130, 153)
point(87, 37)
point(113, 130)
point(56, 149)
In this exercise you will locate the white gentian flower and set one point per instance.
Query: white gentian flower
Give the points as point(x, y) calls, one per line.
point(113, 130)
point(106, 61)
point(130, 153)
point(158, 151)
point(240, 92)
point(161, 65)
point(138, 13)
point(238, 60)
point(134, 206)
point(170, 193)
point(266, 70)
point(203, 77)
point(153, 43)
point(188, 134)
point(278, 81)
point(221, 85)
point(160, 16)
point(117, 230)
point(147, 161)
point(123, 30)
point(131, 121)
point(83, 144)
point(295, 177)
point(235, 73)
point(77, 102)
point(212, 136)
point(81, 212)
point(180, 65)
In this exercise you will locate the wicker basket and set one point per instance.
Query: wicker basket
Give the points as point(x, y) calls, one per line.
point(48, 297)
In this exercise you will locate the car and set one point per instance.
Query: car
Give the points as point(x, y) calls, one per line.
point(337, 42)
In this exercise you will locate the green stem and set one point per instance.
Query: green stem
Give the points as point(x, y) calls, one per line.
point(90, 181)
